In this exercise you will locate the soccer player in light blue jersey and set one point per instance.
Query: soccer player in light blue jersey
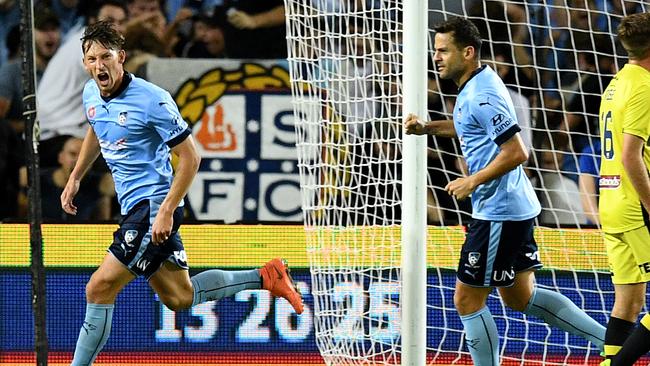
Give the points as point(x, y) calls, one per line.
point(135, 126)
point(499, 249)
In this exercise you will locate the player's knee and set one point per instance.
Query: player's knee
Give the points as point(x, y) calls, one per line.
point(99, 291)
point(516, 303)
point(177, 303)
point(466, 304)
point(628, 309)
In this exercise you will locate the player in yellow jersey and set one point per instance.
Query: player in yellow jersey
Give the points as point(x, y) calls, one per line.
point(625, 192)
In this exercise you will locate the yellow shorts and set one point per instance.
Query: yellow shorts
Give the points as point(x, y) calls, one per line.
point(628, 254)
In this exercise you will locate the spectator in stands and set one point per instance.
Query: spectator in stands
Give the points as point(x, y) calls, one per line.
point(59, 106)
point(504, 25)
point(47, 37)
point(148, 13)
point(612, 11)
point(9, 17)
point(66, 11)
point(595, 72)
point(203, 7)
point(442, 154)
point(11, 89)
point(139, 8)
point(179, 30)
point(353, 95)
point(557, 192)
point(95, 193)
point(253, 28)
point(589, 167)
point(11, 159)
point(11, 145)
point(582, 99)
point(571, 29)
point(207, 40)
point(141, 44)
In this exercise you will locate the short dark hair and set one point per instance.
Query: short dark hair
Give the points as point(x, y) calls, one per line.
point(94, 7)
point(103, 32)
point(464, 31)
point(46, 19)
point(634, 34)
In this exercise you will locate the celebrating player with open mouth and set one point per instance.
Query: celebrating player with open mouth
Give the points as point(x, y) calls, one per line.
point(135, 125)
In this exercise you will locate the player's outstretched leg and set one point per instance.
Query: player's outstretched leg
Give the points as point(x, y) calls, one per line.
point(557, 310)
point(276, 278)
point(215, 284)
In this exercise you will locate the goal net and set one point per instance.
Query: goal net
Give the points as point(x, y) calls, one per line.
point(346, 66)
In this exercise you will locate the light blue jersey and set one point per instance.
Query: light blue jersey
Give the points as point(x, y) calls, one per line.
point(484, 118)
point(136, 127)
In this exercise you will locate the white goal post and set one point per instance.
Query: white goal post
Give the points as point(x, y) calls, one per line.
point(371, 194)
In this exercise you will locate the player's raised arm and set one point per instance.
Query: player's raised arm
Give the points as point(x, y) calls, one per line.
point(87, 156)
point(415, 126)
point(188, 165)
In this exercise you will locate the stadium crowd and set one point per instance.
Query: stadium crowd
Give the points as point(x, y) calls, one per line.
point(528, 43)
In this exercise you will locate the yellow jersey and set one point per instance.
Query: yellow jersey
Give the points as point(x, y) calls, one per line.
point(624, 108)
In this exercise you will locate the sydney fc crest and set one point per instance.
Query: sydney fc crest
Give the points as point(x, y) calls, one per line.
point(473, 258)
point(130, 236)
point(121, 118)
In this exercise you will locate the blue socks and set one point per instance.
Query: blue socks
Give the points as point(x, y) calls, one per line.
point(557, 310)
point(554, 308)
point(93, 334)
point(215, 284)
point(481, 337)
point(208, 285)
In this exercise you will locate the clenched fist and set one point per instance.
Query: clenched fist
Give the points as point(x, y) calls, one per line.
point(414, 126)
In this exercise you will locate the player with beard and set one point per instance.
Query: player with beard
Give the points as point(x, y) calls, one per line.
point(500, 249)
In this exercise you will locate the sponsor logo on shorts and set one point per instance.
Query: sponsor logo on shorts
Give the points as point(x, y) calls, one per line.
point(471, 274)
point(501, 276)
point(645, 267)
point(142, 264)
point(609, 181)
point(181, 257)
point(534, 256)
